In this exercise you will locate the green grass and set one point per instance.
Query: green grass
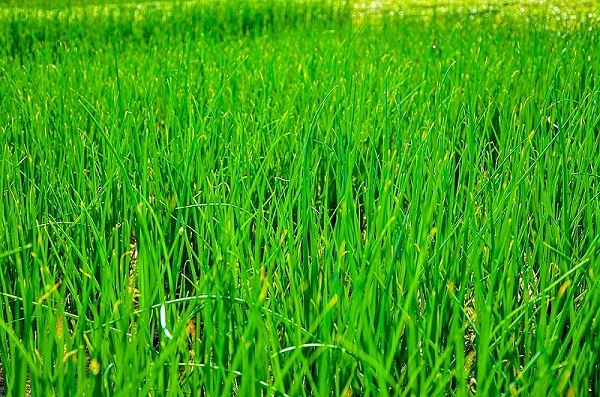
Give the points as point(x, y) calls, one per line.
point(299, 198)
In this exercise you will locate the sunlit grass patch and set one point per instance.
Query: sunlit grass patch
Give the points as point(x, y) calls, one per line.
point(316, 198)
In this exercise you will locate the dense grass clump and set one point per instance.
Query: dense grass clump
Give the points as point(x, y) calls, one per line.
point(299, 198)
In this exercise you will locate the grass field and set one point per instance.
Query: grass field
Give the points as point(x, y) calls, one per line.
point(302, 198)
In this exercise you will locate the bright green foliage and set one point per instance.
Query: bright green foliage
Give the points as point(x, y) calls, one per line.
point(323, 199)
